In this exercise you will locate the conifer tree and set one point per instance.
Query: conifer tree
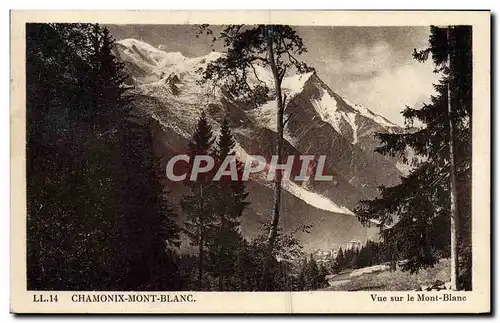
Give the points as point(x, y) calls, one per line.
point(198, 205)
point(311, 274)
point(103, 137)
point(274, 47)
point(423, 203)
point(52, 66)
point(340, 261)
point(322, 281)
point(230, 202)
point(301, 284)
point(61, 138)
point(148, 233)
point(96, 212)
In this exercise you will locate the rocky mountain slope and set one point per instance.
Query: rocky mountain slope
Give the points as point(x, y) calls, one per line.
point(321, 122)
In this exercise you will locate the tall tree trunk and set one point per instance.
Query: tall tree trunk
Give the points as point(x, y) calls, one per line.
point(279, 147)
point(202, 242)
point(221, 276)
point(221, 256)
point(453, 181)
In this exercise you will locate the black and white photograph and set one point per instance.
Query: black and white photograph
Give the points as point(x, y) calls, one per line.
point(209, 157)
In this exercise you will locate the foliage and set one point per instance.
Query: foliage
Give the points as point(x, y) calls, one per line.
point(230, 204)
point(92, 191)
point(246, 47)
point(270, 46)
point(413, 216)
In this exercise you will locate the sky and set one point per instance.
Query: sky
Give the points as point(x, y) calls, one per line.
point(371, 66)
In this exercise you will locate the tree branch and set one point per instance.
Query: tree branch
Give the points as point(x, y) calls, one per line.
point(281, 75)
point(291, 58)
point(258, 58)
point(287, 119)
point(255, 73)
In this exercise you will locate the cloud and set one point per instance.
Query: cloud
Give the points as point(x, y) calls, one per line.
point(382, 78)
point(362, 60)
point(389, 91)
point(368, 60)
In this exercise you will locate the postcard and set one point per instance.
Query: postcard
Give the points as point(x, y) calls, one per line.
point(250, 162)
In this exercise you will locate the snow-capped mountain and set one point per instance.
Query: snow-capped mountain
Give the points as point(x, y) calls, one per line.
point(321, 122)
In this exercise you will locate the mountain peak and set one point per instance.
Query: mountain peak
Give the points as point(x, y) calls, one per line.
point(146, 57)
point(147, 48)
point(330, 105)
point(319, 122)
point(383, 121)
point(341, 104)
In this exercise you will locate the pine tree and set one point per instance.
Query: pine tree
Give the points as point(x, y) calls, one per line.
point(340, 261)
point(230, 202)
point(302, 275)
point(247, 267)
point(106, 93)
point(354, 255)
point(322, 281)
point(311, 274)
point(273, 46)
point(198, 205)
point(453, 169)
point(60, 138)
point(148, 233)
point(284, 268)
point(50, 77)
point(368, 255)
point(423, 203)
point(105, 117)
point(96, 211)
